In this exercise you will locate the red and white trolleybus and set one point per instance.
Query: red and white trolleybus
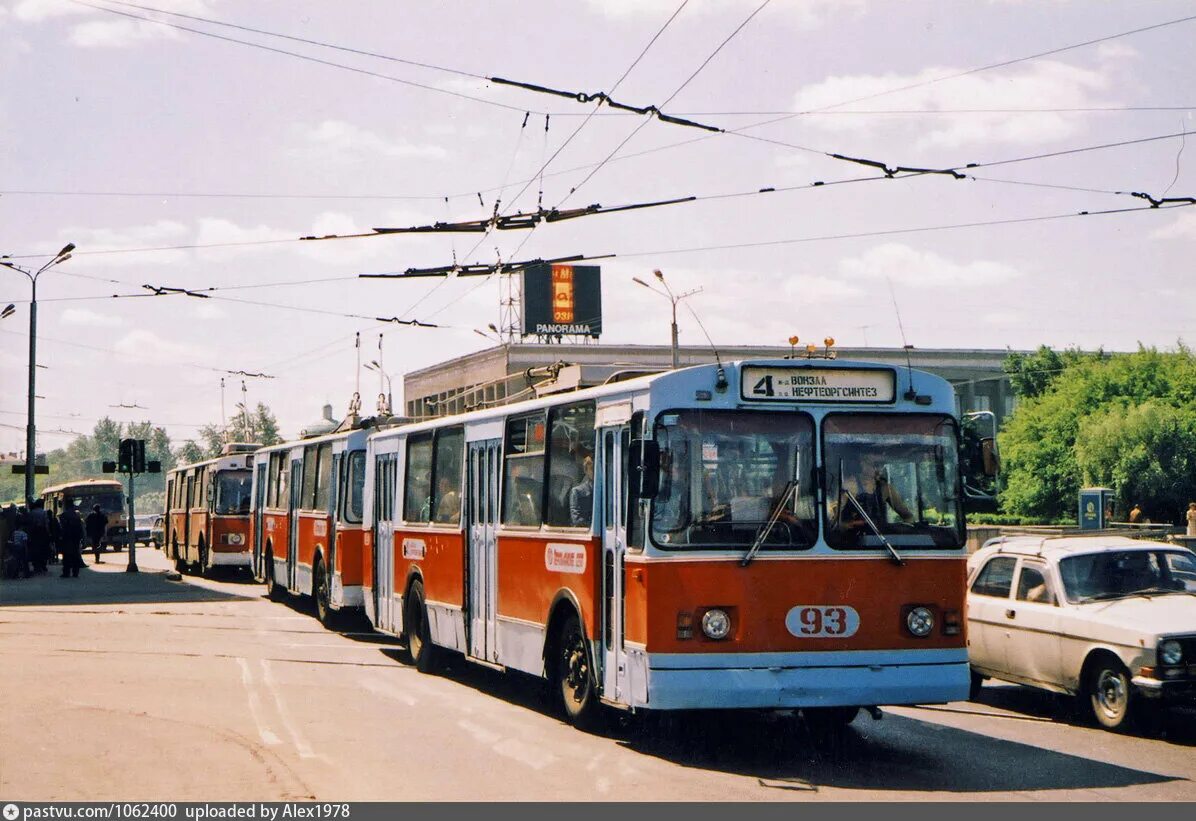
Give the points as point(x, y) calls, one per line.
point(777, 534)
point(307, 519)
point(207, 511)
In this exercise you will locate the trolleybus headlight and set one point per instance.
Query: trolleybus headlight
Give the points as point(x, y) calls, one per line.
point(236, 538)
point(716, 624)
point(920, 621)
point(1170, 652)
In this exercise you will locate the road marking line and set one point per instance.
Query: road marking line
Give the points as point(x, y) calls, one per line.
point(255, 707)
point(305, 750)
point(387, 692)
point(524, 753)
point(479, 732)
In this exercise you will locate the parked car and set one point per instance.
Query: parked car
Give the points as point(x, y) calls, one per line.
point(1109, 619)
point(158, 531)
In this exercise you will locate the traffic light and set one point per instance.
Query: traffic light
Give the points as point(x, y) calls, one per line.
point(132, 456)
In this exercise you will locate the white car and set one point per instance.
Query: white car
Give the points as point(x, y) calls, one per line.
point(1106, 618)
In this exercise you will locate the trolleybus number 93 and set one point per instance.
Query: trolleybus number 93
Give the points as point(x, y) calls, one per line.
point(822, 621)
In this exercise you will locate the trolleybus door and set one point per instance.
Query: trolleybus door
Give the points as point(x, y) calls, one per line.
point(334, 491)
point(384, 543)
point(293, 524)
point(259, 502)
point(186, 556)
point(615, 442)
point(484, 459)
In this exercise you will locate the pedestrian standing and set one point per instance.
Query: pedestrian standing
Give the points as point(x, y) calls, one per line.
point(1191, 518)
point(71, 535)
point(1135, 515)
point(52, 524)
point(38, 527)
point(97, 524)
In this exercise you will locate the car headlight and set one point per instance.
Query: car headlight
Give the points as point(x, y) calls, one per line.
point(716, 624)
point(1171, 652)
point(920, 621)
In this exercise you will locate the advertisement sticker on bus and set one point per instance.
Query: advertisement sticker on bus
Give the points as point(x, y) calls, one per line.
point(804, 384)
point(414, 549)
point(565, 558)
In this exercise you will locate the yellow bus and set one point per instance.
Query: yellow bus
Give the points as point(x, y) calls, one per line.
point(109, 494)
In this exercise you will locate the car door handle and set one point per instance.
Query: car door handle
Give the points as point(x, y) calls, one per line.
point(1011, 614)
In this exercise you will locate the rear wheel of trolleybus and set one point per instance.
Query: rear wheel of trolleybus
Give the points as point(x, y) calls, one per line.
point(274, 590)
point(826, 721)
point(321, 593)
point(424, 654)
point(203, 558)
point(571, 676)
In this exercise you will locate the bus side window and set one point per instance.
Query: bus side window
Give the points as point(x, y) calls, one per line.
point(523, 470)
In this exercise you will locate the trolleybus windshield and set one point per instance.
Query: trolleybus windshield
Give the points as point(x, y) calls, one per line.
point(232, 491)
point(898, 475)
point(725, 475)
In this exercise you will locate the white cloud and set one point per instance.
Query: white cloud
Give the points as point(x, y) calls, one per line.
point(807, 13)
point(160, 234)
point(116, 33)
point(1182, 227)
point(86, 318)
point(147, 346)
point(1041, 84)
point(105, 29)
point(1116, 51)
point(336, 141)
point(34, 11)
point(207, 310)
point(908, 266)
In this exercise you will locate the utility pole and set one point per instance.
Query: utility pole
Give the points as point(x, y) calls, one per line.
point(673, 299)
point(31, 426)
point(131, 461)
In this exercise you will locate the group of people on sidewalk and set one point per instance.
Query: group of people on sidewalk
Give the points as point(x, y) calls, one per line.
point(34, 538)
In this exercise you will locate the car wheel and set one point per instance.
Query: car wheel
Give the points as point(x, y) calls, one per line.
point(572, 676)
point(273, 589)
point(419, 635)
point(1110, 694)
point(974, 685)
point(822, 720)
point(322, 594)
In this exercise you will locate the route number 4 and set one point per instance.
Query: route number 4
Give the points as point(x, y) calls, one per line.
point(763, 387)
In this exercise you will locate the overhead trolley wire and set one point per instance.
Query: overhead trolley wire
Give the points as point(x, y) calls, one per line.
point(306, 57)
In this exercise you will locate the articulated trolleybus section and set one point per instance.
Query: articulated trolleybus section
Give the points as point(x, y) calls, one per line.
point(207, 511)
point(307, 512)
point(770, 534)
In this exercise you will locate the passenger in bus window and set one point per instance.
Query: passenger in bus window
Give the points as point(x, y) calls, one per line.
point(448, 505)
point(581, 496)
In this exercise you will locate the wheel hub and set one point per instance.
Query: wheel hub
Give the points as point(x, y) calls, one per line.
point(1110, 692)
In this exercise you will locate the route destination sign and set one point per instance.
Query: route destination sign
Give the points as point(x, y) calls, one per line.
point(798, 384)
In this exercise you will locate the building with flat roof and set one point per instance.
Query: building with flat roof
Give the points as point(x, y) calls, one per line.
point(508, 373)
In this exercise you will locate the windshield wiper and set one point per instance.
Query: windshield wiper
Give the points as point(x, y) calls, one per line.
point(868, 520)
point(790, 490)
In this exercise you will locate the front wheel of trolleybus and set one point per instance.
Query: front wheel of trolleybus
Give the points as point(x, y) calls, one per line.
point(321, 593)
point(274, 590)
point(571, 675)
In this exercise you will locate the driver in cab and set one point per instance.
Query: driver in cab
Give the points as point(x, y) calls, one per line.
point(874, 494)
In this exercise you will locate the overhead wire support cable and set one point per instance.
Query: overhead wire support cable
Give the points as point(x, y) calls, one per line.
point(480, 269)
point(601, 97)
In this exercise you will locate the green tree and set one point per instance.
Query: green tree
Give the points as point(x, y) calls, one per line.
point(189, 452)
point(1033, 374)
point(1057, 441)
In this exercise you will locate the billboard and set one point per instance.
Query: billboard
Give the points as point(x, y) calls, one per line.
point(562, 300)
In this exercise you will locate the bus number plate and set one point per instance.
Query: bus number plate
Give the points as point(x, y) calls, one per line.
point(822, 621)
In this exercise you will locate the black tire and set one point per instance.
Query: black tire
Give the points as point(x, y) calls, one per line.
point(1110, 694)
point(274, 590)
point(974, 685)
point(321, 593)
point(203, 558)
point(823, 720)
point(572, 674)
point(424, 654)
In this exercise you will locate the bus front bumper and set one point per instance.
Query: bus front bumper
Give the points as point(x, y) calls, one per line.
point(706, 681)
point(229, 558)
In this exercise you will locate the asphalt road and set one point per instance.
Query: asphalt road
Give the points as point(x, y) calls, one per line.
point(135, 687)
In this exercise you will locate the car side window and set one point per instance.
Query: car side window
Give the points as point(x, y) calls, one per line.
point(1032, 586)
point(996, 578)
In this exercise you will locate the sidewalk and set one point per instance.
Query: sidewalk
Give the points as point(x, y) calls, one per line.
point(108, 583)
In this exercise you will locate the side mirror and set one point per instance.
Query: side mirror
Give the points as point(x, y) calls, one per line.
point(643, 469)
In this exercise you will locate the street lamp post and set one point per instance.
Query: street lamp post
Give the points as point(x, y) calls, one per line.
point(673, 299)
point(31, 428)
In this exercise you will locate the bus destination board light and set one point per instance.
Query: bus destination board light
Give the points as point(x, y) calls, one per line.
point(562, 300)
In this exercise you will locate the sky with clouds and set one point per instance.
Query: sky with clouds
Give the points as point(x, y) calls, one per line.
point(122, 134)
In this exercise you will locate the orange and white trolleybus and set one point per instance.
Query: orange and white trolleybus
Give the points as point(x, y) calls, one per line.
point(777, 534)
point(307, 519)
point(207, 511)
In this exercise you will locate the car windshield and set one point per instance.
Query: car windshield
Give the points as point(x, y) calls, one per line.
point(232, 491)
point(729, 477)
point(898, 475)
point(1117, 574)
point(108, 501)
